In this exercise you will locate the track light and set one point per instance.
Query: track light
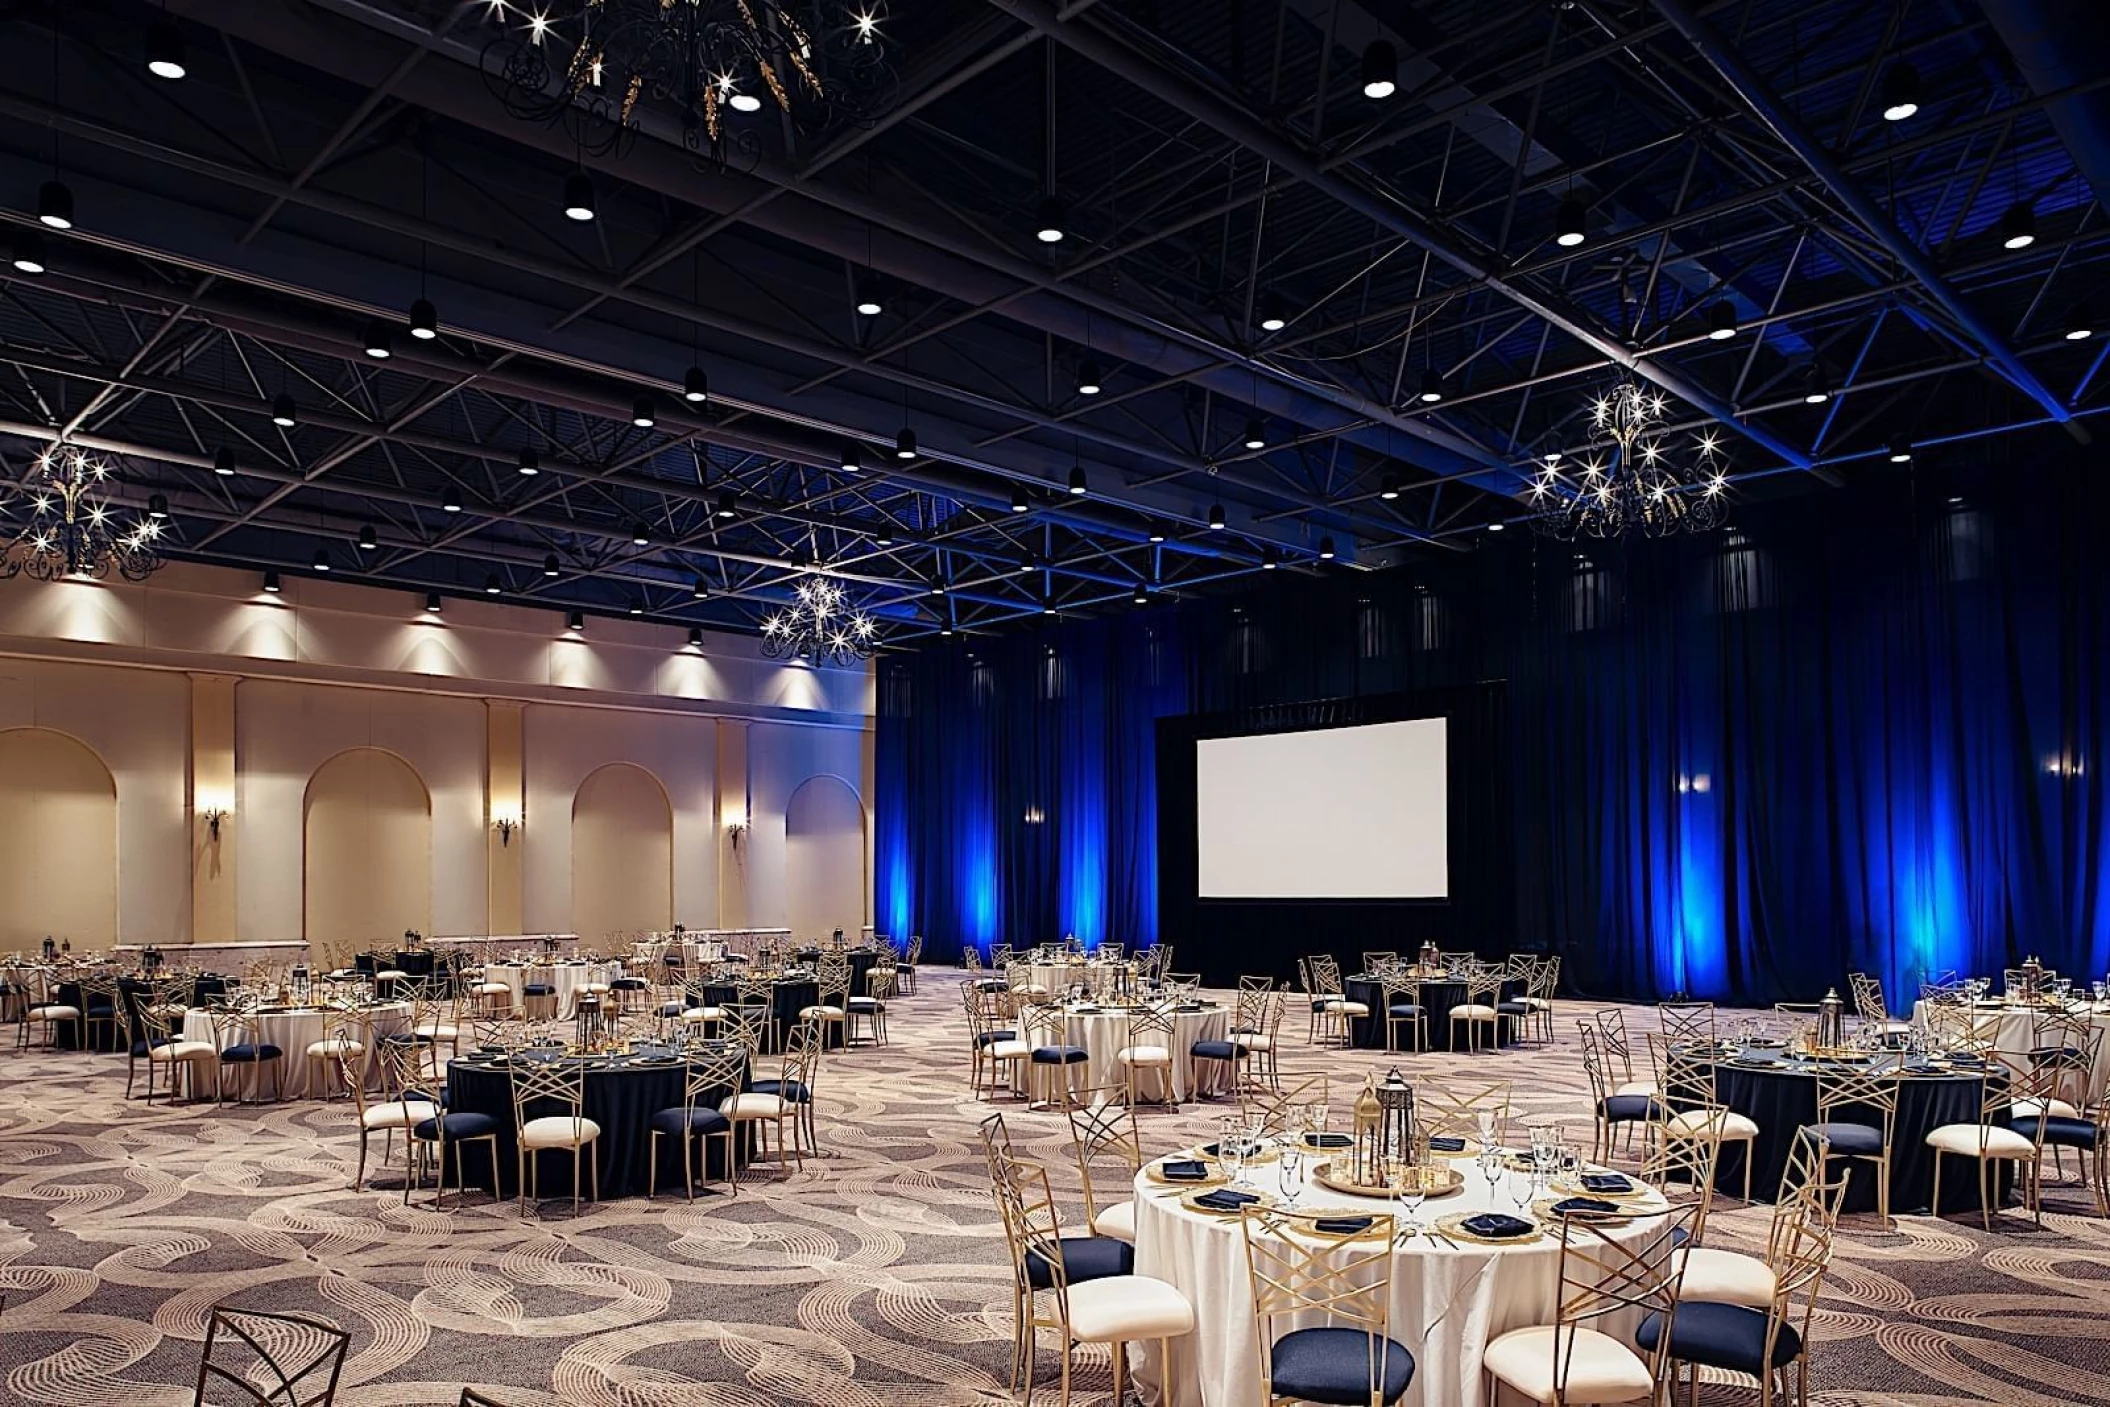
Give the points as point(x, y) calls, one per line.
point(450, 502)
point(158, 508)
point(1380, 70)
point(272, 584)
point(695, 386)
point(640, 535)
point(1048, 221)
point(1216, 516)
point(1390, 489)
point(1817, 387)
point(424, 320)
point(492, 585)
point(1255, 435)
point(1570, 223)
point(852, 459)
point(575, 621)
point(699, 590)
point(637, 607)
point(1270, 559)
point(378, 342)
point(285, 411)
point(1901, 91)
point(1326, 549)
point(549, 564)
point(223, 462)
point(432, 603)
point(1157, 532)
point(27, 254)
point(865, 295)
point(322, 559)
point(578, 196)
point(1090, 379)
point(55, 205)
point(695, 636)
point(905, 443)
point(368, 538)
point(1018, 501)
point(530, 461)
point(1077, 483)
point(1901, 451)
point(728, 503)
point(643, 412)
point(2018, 227)
point(1721, 320)
point(1273, 315)
point(165, 50)
point(1431, 386)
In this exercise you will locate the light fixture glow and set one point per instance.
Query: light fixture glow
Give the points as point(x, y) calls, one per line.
point(378, 342)
point(165, 51)
point(322, 559)
point(1901, 92)
point(1048, 221)
point(223, 462)
point(1721, 320)
point(549, 564)
point(695, 386)
point(285, 412)
point(1431, 386)
point(1078, 485)
point(272, 583)
point(1570, 223)
point(424, 320)
point(1216, 517)
point(530, 462)
point(643, 413)
point(55, 205)
point(905, 443)
point(27, 255)
point(1380, 70)
point(368, 538)
point(1326, 551)
point(578, 197)
point(492, 585)
point(1090, 379)
point(1255, 434)
point(2018, 226)
point(1018, 501)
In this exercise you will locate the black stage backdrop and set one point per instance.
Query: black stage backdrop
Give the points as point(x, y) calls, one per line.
point(1862, 728)
point(1224, 939)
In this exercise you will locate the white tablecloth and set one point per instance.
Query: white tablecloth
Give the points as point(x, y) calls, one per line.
point(1104, 1034)
point(293, 1032)
point(1055, 977)
point(568, 978)
point(1447, 1302)
point(2013, 1030)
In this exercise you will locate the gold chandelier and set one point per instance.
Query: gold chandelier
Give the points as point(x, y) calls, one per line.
point(73, 530)
point(1644, 487)
point(820, 625)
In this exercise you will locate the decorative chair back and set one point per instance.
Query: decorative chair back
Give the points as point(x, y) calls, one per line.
point(1687, 1021)
point(1866, 1097)
point(1446, 1109)
point(1252, 1009)
point(1619, 1053)
point(831, 973)
point(712, 1074)
point(1959, 1027)
point(1274, 1110)
point(1603, 1277)
point(1103, 1128)
point(1161, 955)
point(996, 1143)
point(1000, 955)
point(2008, 1081)
point(270, 1360)
point(1151, 1024)
point(880, 982)
point(1547, 979)
point(1325, 975)
point(801, 1055)
point(2070, 1043)
point(1300, 1274)
point(1681, 1168)
point(915, 950)
point(1868, 997)
point(1374, 962)
point(1483, 986)
point(545, 1082)
point(1033, 1227)
point(971, 958)
point(748, 1024)
point(1683, 1075)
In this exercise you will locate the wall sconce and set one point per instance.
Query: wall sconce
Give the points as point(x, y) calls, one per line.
point(213, 816)
point(505, 823)
point(735, 828)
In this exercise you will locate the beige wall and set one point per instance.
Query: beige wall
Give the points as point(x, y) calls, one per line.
point(329, 669)
point(368, 851)
point(622, 854)
point(58, 871)
point(824, 859)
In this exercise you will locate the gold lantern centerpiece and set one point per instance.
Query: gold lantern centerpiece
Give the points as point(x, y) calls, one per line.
point(1385, 1132)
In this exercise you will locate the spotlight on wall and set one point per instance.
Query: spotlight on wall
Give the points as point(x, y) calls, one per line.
point(695, 637)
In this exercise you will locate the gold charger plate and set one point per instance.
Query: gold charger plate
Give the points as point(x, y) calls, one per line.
point(1450, 1181)
point(1547, 1216)
point(1190, 1202)
point(1572, 1187)
point(1371, 1232)
point(1264, 1154)
point(1214, 1179)
point(1453, 1226)
point(1325, 1150)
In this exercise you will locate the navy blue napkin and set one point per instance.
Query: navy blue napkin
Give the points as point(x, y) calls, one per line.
point(1342, 1225)
point(1183, 1170)
point(1496, 1226)
point(1328, 1140)
point(1225, 1199)
point(1447, 1143)
point(1605, 1182)
point(1585, 1206)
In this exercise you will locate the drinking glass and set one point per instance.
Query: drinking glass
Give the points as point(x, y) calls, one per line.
point(1486, 1119)
point(1491, 1169)
point(1521, 1188)
point(1289, 1174)
point(1230, 1147)
point(1413, 1191)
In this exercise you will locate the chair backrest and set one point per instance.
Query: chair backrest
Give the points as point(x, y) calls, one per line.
point(1453, 1107)
point(1299, 1274)
point(270, 1360)
point(1151, 1024)
point(1103, 1130)
point(915, 950)
point(1593, 1058)
point(1483, 985)
point(1374, 960)
point(1547, 979)
point(879, 982)
point(1681, 1168)
point(712, 1075)
point(801, 1054)
point(996, 1142)
point(1325, 975)
point(1605, 1276)
point(1868, 997)
point(1000, 955)
point(1032, 1226)
point(971, 958)
point(1687, 1021)
point(1273, 1109)
point(831, 973)
point(2070, 1043)
point(1867, 1097)
point(1611, 1025)
point(1684, 1075)
point(557, 1081)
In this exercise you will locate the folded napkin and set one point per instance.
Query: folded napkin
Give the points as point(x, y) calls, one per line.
point(1447, 1143)
point(1606, 1182)
point(1342, 1225)
point(1328, 1140)
point(1966, 1058)
point(1183, 1170)
point(1496, 1226)
point(1224, 1199)
point(1585, 1206)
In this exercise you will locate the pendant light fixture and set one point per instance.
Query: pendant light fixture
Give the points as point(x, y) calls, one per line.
point(424, 320)
point(285, 411)
point(1216, 517)
point(851, 459)
point(378, 342)
point(223, 462)
point(1018, 500)
point(1048, 221)
point(450, 502)
point(643, 412)
point(2018, 226)
point(492, 585)
point(579, 197)
point(1255, 435)
point(1721, 320)
point(158, 507)
point(164, 50)
point(368, 538)
point(26, 253)
point(1380, 70)
point(55, 205)
point(1078, 486)
point(1431, 386)
point(728, 504)
point(549, 565)
point(905, 443)
point(322, 559)
point(530, 462)
point(1091, 378)
point(696, 386)
point(1570, 223)
point(1901, 91)
point(1274, 316)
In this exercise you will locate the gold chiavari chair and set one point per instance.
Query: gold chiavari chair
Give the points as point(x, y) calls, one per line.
point(394, 1110)
point(159, 1026)
point(1604, 1277)
point(1259, 1034)
point(799, 1088)
point(443, 1133)
point(1450, 1109)
point(1869, 1004)
point(1301, 1269)
point(1274, 1110)
point(1687, 1021)
point(538, 1085)
point(1857, 1114)
point(1997, 1137)
point(1683, 1170)
point(756, 995)
point(2070, 1044)
point(1734, 1277)
point(1404, 1007)
point(871, 1007)
point(269, 1360)
point(1611, 1109)
point(342, 1048)
point(1376, 962)
point(164, 998)
point(1149, 1047)
point(1103, 1130)
point(1688, 1106)
point(1619, 1054)
point(762, 1110)
point(239, 1041)
point(697, 1120)
point(993, 1043)
point(1539, 993)
point(1483, 994)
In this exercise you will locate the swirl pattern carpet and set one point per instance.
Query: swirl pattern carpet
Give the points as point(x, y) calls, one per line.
point(875, 1278)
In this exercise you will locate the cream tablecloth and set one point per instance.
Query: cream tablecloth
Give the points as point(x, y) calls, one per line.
point(2014, 1033)
point(293, 1031)
point(568, 978)
point(1103, 1034)
point(1448, 1302)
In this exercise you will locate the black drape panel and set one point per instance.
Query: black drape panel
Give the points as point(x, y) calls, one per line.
point(1861, 729)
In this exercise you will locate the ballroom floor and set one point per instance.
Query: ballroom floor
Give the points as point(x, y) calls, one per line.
point(875, 1278)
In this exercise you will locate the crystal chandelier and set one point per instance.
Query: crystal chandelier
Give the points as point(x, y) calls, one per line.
point(1643, 487)
point(588, 66)
point(73, 531)
point(821, 626)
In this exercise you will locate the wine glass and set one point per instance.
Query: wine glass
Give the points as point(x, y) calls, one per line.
point(1230, 1148)
point(1491, 1169)
point(1289, 1174)
point(1413, 1191)
point(1486, 1119)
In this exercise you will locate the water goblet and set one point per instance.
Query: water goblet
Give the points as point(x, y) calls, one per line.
point(1521, 1188)
point(1490, 1169)
point(1486, 1118)
point(1289, 1174)
point(1413, 1191)
point(1230, 1147)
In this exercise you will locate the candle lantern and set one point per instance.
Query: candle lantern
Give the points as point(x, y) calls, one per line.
point(2032, 979)
point(1395, 1134)
point(1831, 1021)
point(1430, 959)
point(1367, 1162)
point(51, 948)
point(587, 1021)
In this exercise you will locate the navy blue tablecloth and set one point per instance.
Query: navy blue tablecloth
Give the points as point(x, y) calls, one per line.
point(106, 1037)
point(1437, 999)
point(621, 1099)
point(789, 997)
point(862, 961)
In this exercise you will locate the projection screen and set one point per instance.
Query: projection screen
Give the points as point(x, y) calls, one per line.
point(1333, 813)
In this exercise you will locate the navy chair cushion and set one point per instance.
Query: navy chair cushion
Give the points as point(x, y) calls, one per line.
point(2060, 1130)
point(1730, 1336)
point(407, 1038)
point(1512, 1008)
point(1406, 1010)
point(793, 1090)
point(1084, 1258)
point(140, 1048)
point(1334, 1366)
point(1059, 1054)
point(462, 1125)
point(992, 1037)
point(246, 1052)
point(1624, 1108)
point(1217, 1050)
point(677, 1121)
point(671, 1009)
point(1853, 1139)
point(538, 989)
point(629, 984)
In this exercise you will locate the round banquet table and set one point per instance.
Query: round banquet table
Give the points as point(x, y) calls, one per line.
point(1780, 1096)
point(1438, 996)
point(293, 1030)
point(1103, 1031)
point(622, 1095)
point(107, 1038)
point(862, 960)
point(1449, 1300)
point(569, 978)
point(2014, 1029)
point(788, 997)
point(1056, 978)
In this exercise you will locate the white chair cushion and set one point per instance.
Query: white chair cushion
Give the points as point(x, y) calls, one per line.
point(1719, 1123)
point(390, 975)
point(2027, 1109)
point(697, 1015)
point(1144, 1055)
point(1253, 1042)
point(1600, 1368)
point(1344, 1007)
point(331, 1047)
point(824, 1013)
point(597, 987)
point(1472, 1011)
point(397, 1114)
point(54, 1013)
point(752, 1106)
point(1726, 1277)
point(1965, 1139)
point(1123, 1307)
point(1637, 1087)
point(558, 1131)
point(1538, 1003)
point(1117, 1221)
point(493, 989)
point(1010, 1050)
point(864, 1003)
point(185, 1050)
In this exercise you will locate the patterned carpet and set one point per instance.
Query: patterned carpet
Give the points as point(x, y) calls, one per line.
point(876, 1277)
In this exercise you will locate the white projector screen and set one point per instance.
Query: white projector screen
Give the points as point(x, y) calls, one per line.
point(1334, 813)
